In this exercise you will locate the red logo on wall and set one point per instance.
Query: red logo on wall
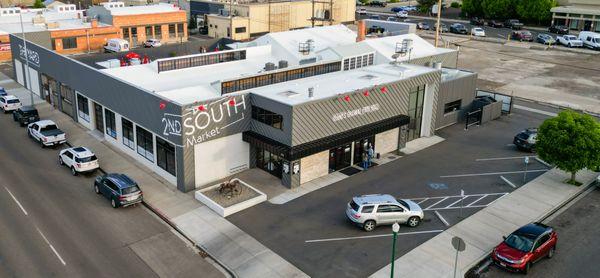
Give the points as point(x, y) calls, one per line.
point(4, 46)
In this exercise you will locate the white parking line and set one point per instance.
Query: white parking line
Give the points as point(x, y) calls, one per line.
point(477, 200)
point(500, 158)
point(437, 203)
point(465, 207)
point(507, 181)
point(551, 114)
point(450, 205)
point(422, 201)
point(373, 236)
point(51, 247)
point(16, 201)
point(441, 218)
point(494, 173)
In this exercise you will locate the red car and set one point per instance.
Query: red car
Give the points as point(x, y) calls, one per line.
point(525, 246)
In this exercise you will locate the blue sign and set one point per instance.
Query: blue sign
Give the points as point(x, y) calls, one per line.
point(438, 186)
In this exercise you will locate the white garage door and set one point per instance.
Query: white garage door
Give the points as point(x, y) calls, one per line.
point(35, 81)
point(19, 72)
point(220, 158)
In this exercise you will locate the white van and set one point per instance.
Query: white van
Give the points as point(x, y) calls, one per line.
point(116, 45)
point(590, 39)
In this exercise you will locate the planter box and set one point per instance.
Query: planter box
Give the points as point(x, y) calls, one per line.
point(249, 197)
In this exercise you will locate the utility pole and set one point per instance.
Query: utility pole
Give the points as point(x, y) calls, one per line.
point(27, 74)
point(437, 26)
point(312, 17)
point(230, 20)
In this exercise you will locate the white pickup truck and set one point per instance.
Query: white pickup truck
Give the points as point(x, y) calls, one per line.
point(46, 132)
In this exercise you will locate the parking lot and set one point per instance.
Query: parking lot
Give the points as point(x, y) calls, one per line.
point(312, 232)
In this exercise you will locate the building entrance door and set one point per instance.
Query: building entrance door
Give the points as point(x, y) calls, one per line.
point(269, 162)
point(361, 146)
point(415, 112)
point(99, 116)
point(339, 157)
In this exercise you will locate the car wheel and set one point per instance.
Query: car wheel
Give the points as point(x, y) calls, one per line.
point(96, 189)
point(21, 124)
point(414, 221)
point(60, 161)
point(14, 117)
point(551, 252)
point(369, 225)
point(73, 172)
point(113, 203)
point(526, 268)
point(42, 144)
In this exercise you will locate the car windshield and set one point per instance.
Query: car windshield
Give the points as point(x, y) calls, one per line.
point(527, 33)
point(85, 159)
point(12, 101)
point(354, 206)
point(49, 127)
point(129, 190)
point(520, 242)
point(523, 136)
point(30, 113)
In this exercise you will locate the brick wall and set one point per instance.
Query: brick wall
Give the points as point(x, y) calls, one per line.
point(314, 166)
point(386, 141)
point(4, 55)
point(139, 22)
point(96, 37)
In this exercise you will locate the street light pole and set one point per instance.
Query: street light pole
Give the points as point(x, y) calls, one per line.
point(395, 229)
point(27, 74)
point(437, 26)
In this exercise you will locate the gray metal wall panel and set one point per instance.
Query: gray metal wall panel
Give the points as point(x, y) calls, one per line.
point(462, 88)
point(314, 120)
point(135, 104)
point(448, 60)
point(281, 135)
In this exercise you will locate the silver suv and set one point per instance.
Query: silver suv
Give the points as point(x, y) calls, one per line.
point(374, 210)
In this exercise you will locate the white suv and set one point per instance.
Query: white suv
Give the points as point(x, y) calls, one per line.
point(79, 159)
point(9, 103)
point(370, 211)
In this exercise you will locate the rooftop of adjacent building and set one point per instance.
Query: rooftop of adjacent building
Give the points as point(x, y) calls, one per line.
point(64, 17)
point(329, 44)
point(119, 8)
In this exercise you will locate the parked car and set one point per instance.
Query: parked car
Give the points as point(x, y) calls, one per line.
point(46, 132)
point(590, 39)
point(526, 139)
point(423, 26)
point(392, 18)
point(120, 189)
point(495, 23)
point(25, 115)
point(370, 211)
point(569, 41)
point(116, 45)
point(458, 28)
point(559, 29)
point(410, 8)
point(513, 24)
point(545, 39)
point(477, 21)
point(478, 32)
point(361, 11)
point(525, 246)
point(374, 16)
point(9, 103)
point(522, 36)
point(398, 9)
point(402, 14)
point(79, 160)
point(152, 43)
point(443, 28)
point(377, 3)
point(3, 92)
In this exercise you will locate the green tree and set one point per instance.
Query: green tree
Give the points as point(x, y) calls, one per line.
point(425, 5)
point(38, 4)
point(537, 11)
point(571, 141)
point(472, 7)
point(499, 9)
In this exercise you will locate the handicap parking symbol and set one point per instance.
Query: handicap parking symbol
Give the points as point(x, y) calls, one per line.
point(438, 186)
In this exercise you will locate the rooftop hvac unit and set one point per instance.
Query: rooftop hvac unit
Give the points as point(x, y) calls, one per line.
point(404, 47)
point(269, 66)
point(283, 64)
point(306, 47)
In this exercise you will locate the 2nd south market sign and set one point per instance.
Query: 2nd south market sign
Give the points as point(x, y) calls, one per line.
point(32, 56)
point(206, 121)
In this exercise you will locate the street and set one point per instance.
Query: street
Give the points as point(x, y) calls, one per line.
point(53, 225)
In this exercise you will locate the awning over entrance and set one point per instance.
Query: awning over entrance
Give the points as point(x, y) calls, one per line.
point(306, 149)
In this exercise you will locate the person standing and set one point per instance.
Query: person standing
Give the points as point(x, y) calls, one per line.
point(370, 153)
point(365, 159)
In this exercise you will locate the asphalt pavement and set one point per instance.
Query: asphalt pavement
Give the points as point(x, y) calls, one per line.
point(313, 233)
point(52, 224)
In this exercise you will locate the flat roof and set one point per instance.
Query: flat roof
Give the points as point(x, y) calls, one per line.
point(577, 9)
point(144, 9)
point(66, 20)
point(386, 46)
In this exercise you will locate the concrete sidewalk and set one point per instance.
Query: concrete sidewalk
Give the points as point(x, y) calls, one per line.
point(484, 230)
point(241, 254)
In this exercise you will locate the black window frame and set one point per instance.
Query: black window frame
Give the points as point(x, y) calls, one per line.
point(144, 142)
point(69, 43)
point(110, 123)
point(239, 30)
point(267, 117)
point(128, 133)
point(158, 31)
point(83, 108)
point(174, 29)
point(165, 156)
point(452, 106)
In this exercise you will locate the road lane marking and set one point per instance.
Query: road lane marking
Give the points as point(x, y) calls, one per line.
point(422, 201)
point(441, 218)
point(500, 158)
point(543, 162)
point(481, 198)
point(551, 114)
point(507, 181)
point(373, 236)
point(437, 202)
point(16, 201)
point(494, 173)
point(51, 247)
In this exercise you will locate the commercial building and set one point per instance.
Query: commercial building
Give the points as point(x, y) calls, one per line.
point(252, 18)
point(297, 104)
point(580, 15)
point(163, 21)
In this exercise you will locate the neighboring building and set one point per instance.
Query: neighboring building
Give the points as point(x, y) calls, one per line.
point(252, 18)
point(580, 15)
point(16, 3)
point(62, 28)
point(49, 4)
point(163, 21)
point(298, 104)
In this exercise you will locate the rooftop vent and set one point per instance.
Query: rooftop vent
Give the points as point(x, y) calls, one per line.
point(306, 47)
point(404, 47)
point(283, 64)
point(311, 92)
point(269, 66)
point(288, 94)
point(368, 77)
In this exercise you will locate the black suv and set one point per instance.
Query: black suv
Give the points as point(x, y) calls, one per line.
point(559, 29)
point(526, 139)
point(26, 115)
point(121, 190)
point(477, 21)
point(458, 28)
point(513, 24)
